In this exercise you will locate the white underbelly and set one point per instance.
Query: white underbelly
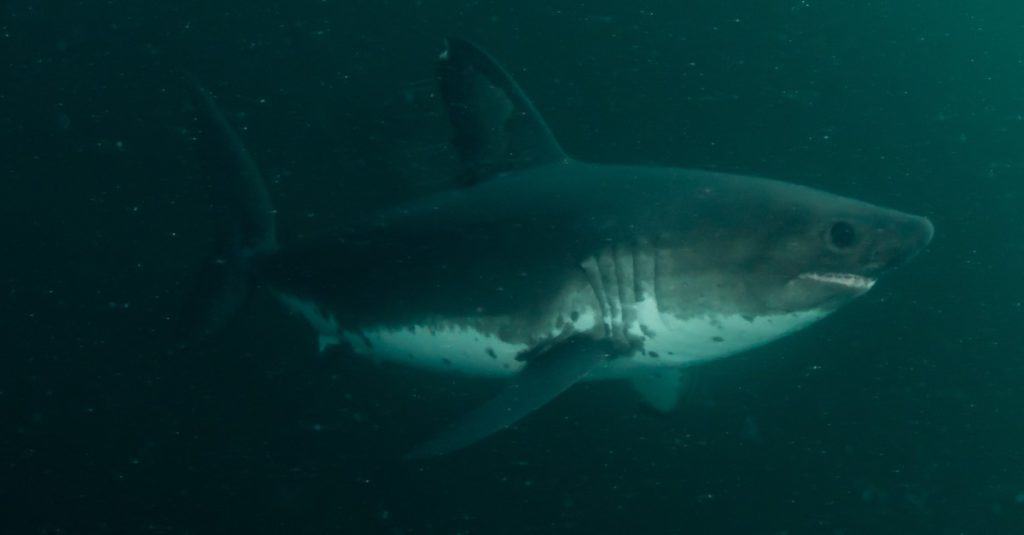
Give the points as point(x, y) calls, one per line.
point(675, 342)
point(457, 347)
point(445, 349)
point(452, 345)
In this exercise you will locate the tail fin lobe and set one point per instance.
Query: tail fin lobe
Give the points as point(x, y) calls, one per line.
point(246, 226)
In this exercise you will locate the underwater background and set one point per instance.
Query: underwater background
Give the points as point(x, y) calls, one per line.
point(902, 413)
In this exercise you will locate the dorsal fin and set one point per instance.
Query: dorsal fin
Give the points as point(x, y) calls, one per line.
point(496, 128)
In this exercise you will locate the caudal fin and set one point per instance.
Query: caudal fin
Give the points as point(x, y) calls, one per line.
point(246, 225)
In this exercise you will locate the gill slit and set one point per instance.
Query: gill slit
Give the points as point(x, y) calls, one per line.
point(624, 280)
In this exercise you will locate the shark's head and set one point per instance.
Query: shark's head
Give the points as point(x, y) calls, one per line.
point(757, 246)
point(833, 249)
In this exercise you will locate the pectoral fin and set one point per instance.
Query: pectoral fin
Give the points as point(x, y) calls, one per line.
point(542, 380)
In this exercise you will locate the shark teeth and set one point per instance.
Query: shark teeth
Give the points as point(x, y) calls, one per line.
point(849, 280)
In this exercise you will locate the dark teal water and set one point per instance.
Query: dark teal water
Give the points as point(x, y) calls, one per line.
point(900, 414)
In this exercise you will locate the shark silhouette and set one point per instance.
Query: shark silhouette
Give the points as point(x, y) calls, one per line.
point(545, 269)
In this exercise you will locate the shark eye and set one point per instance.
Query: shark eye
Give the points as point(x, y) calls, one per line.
point(842, 235)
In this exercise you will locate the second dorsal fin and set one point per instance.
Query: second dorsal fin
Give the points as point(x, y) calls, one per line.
point(495, 127)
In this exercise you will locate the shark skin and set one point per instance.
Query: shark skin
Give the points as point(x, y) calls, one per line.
point(550, 271)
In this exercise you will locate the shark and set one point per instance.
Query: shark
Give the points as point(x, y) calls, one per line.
point(543, 269)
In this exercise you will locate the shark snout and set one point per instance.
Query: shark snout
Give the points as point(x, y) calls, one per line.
point(929, 230)
point(910, 238)
point(899, 240)
point(921, 231)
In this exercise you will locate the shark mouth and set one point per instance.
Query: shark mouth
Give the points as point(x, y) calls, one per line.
point(848, 280)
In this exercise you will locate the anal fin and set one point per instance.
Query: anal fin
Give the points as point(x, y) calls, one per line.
point(662, 389)
point(325, 325)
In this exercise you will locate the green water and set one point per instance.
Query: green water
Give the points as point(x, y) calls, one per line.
point(899, 414)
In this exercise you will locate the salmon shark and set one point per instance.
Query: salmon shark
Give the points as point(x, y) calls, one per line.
point(544, 269)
